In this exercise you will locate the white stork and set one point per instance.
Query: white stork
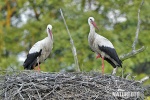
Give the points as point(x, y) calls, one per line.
point(39, 51)
point(102, 47)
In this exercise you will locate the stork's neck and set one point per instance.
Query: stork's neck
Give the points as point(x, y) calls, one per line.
point(92, 31)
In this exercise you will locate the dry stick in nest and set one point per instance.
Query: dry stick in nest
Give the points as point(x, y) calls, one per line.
point(72, 43)
point(134, 52)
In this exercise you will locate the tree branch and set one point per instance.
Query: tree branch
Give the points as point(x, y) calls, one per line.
point(131, 54)
point(72, 43)
point(10, 11)
point(134, 51)
point(144, 79)
point(34, 9)
point(138, 27)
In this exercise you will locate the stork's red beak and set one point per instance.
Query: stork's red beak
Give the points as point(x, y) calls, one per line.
point(94, 24)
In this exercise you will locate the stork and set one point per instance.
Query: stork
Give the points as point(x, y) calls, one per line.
point(39, 51)
point(102, 47)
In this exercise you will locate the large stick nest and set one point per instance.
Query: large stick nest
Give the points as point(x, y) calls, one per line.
point(31, 85)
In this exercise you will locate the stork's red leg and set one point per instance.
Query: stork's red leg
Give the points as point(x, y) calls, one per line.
point(38, 65)
point(102, 65)
point(98, 56)
point(34, 67)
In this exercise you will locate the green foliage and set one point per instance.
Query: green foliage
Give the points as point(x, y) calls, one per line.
point(20, 36)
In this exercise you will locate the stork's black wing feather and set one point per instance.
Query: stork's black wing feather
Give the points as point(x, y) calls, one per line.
point(31, 60)
point(112, 53)
point(109, 61)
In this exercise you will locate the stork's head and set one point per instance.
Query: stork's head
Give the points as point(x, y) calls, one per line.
point(91, 22)
point(49, 31)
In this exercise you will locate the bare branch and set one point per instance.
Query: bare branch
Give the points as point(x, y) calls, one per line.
point(131, 54)
point(138, 27)
point(72, 43)
point(144, 79)
point(134, 51)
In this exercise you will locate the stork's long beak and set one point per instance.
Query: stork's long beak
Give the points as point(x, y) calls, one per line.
point(94, 24)
point(50, 32)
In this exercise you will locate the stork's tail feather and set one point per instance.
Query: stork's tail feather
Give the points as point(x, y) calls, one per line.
point(120, 63)
point(31, 60)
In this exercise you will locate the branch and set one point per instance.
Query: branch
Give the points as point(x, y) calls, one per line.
point(144, 79)
point(134, 51)
point(138, 27)
point(34, 9)
point(131, 54)
point(10, 11)
point(72, 43)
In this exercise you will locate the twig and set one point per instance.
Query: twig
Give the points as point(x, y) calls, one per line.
point(127, 77)
point(134, 51)
point(72, 43)
point(18, 92)
point(48, 94)
point(21, 96)
point(144, 79)
point(37, 91)
point(29, 96)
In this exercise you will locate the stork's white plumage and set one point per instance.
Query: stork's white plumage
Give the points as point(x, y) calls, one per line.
point(39, 51)
point(102, 47)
